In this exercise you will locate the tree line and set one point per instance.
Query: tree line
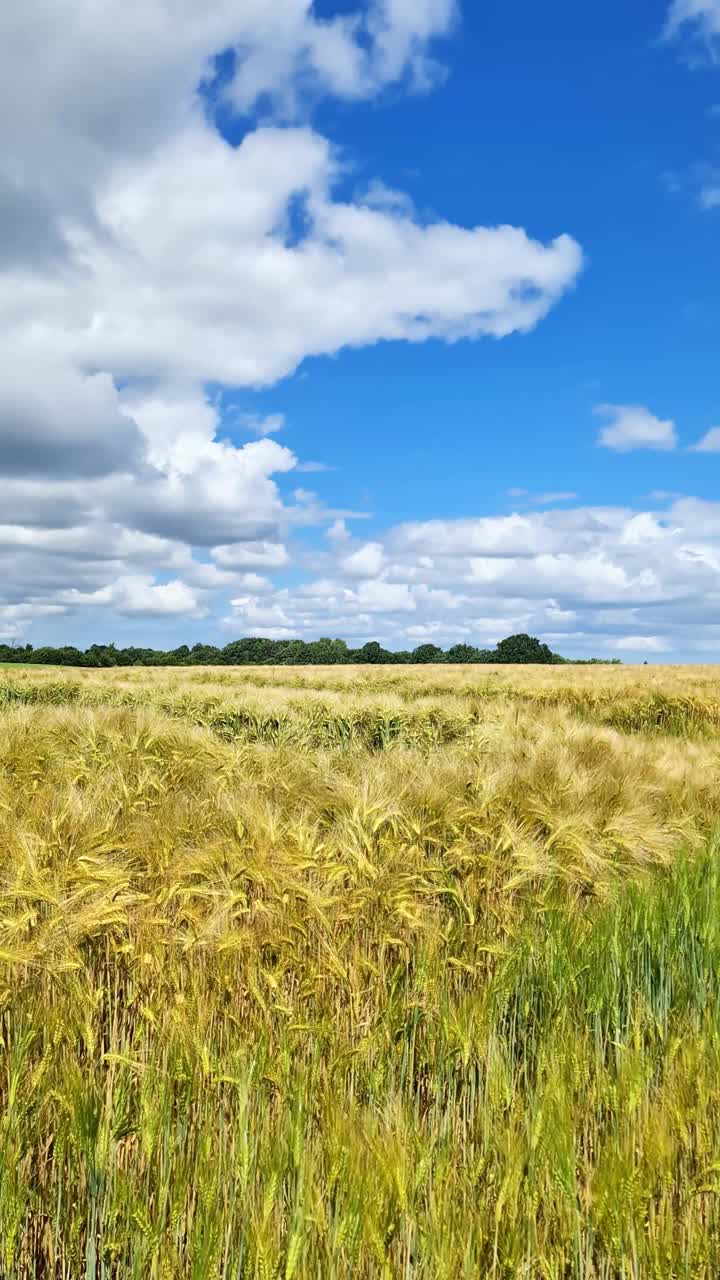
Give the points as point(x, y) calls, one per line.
point(259, 652)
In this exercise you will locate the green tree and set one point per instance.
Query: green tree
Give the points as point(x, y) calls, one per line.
point(372, 652)
point(293, 653)
point(260, 651)
point(204, 655)
point(247, 653)
point(326, 652)
point(523, 649)
point(463, 653)
point(428, 653)
point(100, 655)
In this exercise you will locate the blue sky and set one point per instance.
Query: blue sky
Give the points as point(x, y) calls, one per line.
point(403, 326)
point(561, 118)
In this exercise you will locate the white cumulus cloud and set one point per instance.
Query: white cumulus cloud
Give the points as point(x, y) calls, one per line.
point(147, 266)
point(366, 562)
point(590, 580)
point(635, 427)
point(139, 595)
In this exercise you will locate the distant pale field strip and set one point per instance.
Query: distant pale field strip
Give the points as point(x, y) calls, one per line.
point(360, 972)
point(668, 699)
point(681, 681)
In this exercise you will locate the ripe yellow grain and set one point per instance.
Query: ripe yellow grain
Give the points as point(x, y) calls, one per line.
point(330, 972)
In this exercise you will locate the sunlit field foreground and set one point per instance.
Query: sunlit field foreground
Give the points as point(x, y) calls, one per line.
point(332, 973)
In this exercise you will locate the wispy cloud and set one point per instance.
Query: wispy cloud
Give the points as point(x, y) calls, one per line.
point(526, 498)
point(710, 442)
point(701, 16)
point(709, 196)
point(634, 427)
point(263, 424)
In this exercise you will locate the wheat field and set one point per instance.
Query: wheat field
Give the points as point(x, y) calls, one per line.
point(352, 972)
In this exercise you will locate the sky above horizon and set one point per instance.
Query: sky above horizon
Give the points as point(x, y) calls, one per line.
point(377, 319)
